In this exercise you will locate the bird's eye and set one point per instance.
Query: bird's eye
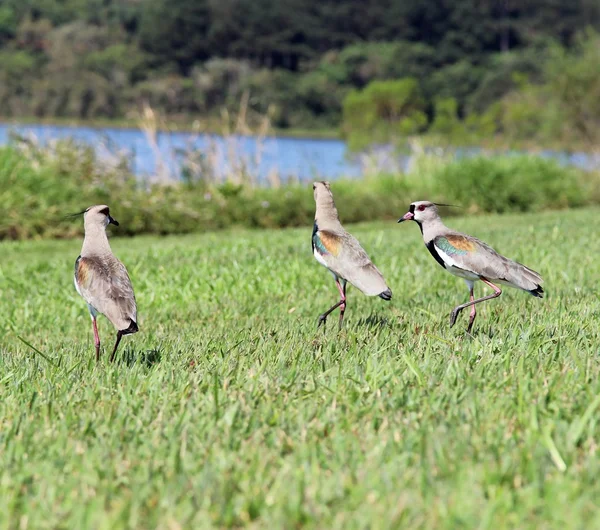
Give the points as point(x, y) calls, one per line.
point(421, 207)
point(314, 186)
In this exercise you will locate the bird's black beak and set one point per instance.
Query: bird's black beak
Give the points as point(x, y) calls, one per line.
point(408, 216)
point(112, 221)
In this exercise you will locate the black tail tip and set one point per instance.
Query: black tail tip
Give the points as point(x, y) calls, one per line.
point(538, 291)
point(133, 328)
point(386, 295)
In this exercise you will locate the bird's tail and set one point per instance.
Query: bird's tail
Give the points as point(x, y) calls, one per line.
point(538, 291)
point(133, 328)
point(523, 277)
point(386, 295)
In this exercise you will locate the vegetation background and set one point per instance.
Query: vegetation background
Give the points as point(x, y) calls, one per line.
point(424, 77)
point(460, 70)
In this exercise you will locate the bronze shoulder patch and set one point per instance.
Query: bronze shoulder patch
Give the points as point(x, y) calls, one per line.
point(331, 242)
point(82, 271)
point(461, 243)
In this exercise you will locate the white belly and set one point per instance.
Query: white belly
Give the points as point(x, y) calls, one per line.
point(76, 286)
point(93, 311)
point(449, 263)
point(461, 273)
point(319, 258)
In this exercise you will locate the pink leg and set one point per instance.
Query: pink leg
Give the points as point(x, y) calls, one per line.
point(341, 303)
point(96, 339)
point(342, 291)
point(497, 290)
point(473, 312)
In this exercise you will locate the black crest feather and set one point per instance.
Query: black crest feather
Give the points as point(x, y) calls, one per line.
point(450, 205)
point(75, 215)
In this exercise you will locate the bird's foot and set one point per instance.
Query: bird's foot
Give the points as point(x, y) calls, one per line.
point(322, 320)
point(453, 317)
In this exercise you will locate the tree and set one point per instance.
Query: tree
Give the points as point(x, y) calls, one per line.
point(175, 32)
point(383, 112)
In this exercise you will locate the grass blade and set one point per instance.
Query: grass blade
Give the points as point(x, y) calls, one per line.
point(42, 355)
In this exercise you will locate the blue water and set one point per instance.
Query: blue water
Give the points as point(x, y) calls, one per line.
point(290, 158)
point(299, 158)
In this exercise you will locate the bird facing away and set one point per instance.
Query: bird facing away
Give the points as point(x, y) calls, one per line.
point(470, 259)
point(342, 254)
point(102, 280)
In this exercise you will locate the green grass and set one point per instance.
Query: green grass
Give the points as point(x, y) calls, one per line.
point(230, 409)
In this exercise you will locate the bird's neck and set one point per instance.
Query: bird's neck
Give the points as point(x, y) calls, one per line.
point(433, 228)
point(326, 215)
point(95, 242)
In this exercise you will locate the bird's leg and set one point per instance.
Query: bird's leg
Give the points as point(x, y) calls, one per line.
point(473, 311)
point(459, 308)
point(343, 305)
point(323, 317)
point(96, 339)
point(119, 335)
point(342, 302)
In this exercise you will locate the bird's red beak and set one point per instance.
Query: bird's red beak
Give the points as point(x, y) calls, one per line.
point(408, 216)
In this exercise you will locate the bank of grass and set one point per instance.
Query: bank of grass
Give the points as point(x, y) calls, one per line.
point(230, 409)
point(38, 187)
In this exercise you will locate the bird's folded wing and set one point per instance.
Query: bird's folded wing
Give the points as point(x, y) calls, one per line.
point(471, 254)
point(327, 243)
point(105, 285)
point(458, 250)
point(354, 265)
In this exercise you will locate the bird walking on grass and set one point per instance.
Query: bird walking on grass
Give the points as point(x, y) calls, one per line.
point(342, 254)
point(469, 258)
point(102, 280)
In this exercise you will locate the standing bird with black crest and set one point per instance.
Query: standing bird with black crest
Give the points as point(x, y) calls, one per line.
point(102, 280)
point(469, 258)
point(341, 254)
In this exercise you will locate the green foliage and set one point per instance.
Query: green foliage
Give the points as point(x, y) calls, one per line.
point(446, 122)
point(229, 409)
point(8, 25)
point(502, 73)
point(175, 31)
point(383, 111)
point(557, 106)
point(574, 84)
point(512, 183)
point(38, 187)
point(457, 80)
point(98, 59)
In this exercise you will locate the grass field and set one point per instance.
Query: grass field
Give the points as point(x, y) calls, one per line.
point(230, 409)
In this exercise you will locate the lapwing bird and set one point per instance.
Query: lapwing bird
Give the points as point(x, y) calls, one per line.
point(470, 259)
point(342, 254)
point(102, 280)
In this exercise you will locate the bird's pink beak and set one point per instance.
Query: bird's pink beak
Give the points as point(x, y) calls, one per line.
point(408, 216)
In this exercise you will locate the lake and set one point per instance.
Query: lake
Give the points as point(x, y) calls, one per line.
point(291, 158)
point(300, 158)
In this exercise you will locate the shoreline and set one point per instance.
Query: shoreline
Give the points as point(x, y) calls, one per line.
point(168, 127)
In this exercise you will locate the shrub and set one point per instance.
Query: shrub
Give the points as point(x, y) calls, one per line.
point(384, 110)
point(39, 186)
point(512, 183)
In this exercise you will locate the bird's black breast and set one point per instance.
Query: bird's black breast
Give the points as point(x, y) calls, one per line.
point(431, 247)
point(312, 239)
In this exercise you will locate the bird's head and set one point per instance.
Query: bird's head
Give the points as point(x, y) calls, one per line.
point(99, 215)
point(321, 190)
point(421, 212)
